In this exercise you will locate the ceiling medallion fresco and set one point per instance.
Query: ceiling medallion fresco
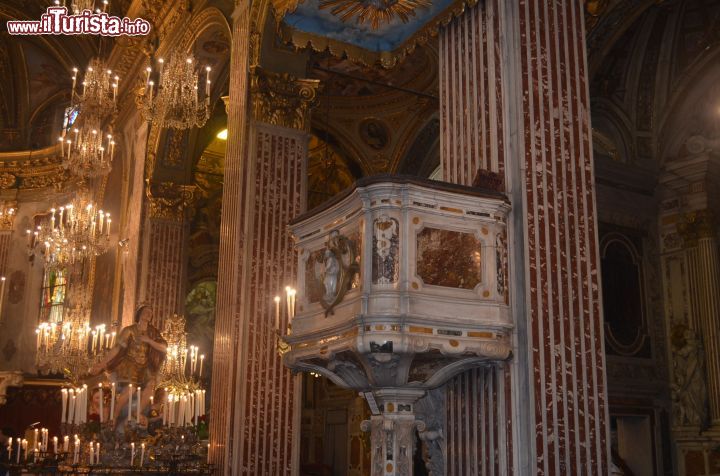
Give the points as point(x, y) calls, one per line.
point(367, 31)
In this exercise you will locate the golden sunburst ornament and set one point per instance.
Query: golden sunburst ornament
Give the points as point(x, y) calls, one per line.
point(375, 12)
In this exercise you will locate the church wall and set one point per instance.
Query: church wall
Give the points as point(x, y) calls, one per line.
point(21, 306)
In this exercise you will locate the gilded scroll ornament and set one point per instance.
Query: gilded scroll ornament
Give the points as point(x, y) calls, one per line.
point(282, 100)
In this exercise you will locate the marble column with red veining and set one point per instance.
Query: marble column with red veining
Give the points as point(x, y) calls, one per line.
point(163, 265)
point(255, 399)
point(514, 100)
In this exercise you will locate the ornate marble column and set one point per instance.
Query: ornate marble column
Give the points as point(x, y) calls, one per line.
point(515, 115)
point(700, 240)
point(163, 284)
point(257, 412)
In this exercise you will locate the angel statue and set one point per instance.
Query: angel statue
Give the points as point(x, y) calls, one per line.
point(135, 360)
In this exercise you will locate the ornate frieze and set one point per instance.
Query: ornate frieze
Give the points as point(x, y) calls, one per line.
point(282, 100)
point(168, 201)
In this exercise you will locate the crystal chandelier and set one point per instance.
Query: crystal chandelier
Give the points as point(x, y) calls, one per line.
point(99, 90)
point(88, 150)
point(71, 346)
point(176, 102)
point(73, 232)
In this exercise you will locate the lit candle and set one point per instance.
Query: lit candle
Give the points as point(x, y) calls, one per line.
point(112, 401)
point(208, 455)
point(97, 454)
point(66, 443)
point(138, 404)
point(86, 403)
point(277, 312)
point(64, 394)
point(130, 392)
point(142, 453)
point(92, 453)
point(202, 359)
point(207, 84)
point(132, 453)
point(100, 389)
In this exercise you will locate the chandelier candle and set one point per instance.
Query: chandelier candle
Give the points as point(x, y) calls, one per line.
point(139, 393)
point(142, 454)
point(100, 390)
point(64, 397)
point(130, 399)
point(112, 401)
point(132, 453)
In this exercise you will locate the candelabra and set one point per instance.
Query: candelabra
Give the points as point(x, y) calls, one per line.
point(88, 150)
point(72, 233)
point(176, 103)
point(71, 346)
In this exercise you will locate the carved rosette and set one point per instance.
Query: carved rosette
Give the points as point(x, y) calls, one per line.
point(168, 201)
point(282, 100)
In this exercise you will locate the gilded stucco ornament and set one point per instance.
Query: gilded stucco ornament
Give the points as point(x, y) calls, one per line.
point(696, 225)
point(168, 201)
point(283, 100)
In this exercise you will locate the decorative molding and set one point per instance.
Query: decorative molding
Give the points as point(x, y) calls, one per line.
point(33, 169)
point(283, 100)
point(168, 201)
point(9, 379)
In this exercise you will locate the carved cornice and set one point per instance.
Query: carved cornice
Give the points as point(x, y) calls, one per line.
point(168, 201)
point(31, 170)
point(280, 99)
point(698, 224)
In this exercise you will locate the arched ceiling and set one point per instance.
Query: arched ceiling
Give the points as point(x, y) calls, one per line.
point(35, 78)
point(652, 75)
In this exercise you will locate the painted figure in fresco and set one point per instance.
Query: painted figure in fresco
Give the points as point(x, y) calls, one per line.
point(136, 359)
point(689, 387)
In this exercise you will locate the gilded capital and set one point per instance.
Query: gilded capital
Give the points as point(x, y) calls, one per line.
point(696, 225)
point(168, 201)
point(280, 99)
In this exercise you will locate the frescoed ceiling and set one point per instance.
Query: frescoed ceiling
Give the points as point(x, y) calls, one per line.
point(373, 27)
